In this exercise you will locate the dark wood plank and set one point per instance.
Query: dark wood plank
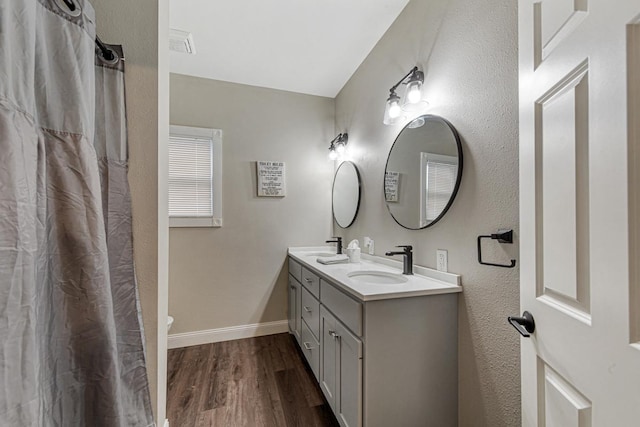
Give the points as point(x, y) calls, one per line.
point(257, 382)
point(269, 397)
point(274, 342)
point(324, 416)
point(187, 384)
point(215, 378)
point(294, 404)
point(174, 359)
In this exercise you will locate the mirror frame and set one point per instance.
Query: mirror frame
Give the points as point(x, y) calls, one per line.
point(355, 215)
point(458, 176)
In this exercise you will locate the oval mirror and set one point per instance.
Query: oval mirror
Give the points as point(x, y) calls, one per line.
point(423, 172)
point(346, 194)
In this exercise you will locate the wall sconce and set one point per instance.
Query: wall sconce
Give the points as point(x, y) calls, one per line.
point(412, 99)
point(338, 146)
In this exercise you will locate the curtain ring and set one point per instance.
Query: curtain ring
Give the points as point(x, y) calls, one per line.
point(70, 7)
point(106, 55)
point(70, 4)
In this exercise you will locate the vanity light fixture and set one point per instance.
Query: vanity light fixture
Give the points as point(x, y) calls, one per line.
point(412, 100)
point(338, 146)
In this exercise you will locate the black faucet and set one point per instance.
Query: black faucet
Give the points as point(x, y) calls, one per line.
point(338, 242)
point(408, 258)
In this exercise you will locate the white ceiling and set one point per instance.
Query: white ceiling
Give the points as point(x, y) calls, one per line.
point(305, 46)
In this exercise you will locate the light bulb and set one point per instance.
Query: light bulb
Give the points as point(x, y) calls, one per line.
point(394, 109)
point(333, 155)
point(341, 149)
point(414, 92)
point(413, 100)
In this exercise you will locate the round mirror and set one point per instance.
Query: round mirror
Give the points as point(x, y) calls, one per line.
point(423, 172)
point(346, 194)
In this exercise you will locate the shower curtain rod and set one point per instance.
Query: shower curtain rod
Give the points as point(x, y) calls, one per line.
point(106, 52)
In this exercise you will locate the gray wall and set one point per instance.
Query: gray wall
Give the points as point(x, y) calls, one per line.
point(236, 275)
point(468, 49)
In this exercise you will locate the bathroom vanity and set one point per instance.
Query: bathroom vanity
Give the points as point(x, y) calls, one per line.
point(382, 345)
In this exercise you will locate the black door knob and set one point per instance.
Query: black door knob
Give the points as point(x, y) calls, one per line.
point(525, 324)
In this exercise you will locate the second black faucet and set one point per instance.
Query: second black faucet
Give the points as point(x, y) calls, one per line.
point(408, 258)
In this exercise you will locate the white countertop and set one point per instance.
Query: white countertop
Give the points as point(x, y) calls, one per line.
point(424, 281)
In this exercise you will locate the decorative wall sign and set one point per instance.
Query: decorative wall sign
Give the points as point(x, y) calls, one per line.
point(391, 181)
point(271, 179)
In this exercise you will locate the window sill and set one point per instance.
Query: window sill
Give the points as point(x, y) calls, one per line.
point(186, 222)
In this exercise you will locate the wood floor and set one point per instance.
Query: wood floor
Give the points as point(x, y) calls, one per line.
point(253, 382)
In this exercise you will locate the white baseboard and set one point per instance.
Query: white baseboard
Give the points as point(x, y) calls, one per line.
point(187, 339)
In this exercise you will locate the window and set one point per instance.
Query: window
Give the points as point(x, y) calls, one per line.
point(439, 175)
point(195, 177)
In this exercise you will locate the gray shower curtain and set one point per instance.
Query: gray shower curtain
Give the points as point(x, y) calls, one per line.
point(71, 340)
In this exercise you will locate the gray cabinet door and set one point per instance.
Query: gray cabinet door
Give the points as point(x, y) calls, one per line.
point(349, 398)
point(294, 307)
point(328, 357)
point(341, 370)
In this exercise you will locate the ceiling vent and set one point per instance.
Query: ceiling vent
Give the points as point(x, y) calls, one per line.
point(181, 41)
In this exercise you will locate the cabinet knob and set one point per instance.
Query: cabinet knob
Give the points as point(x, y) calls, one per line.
point(333, 334)
point(306, 279)
point(307, 346)
point(307, 309)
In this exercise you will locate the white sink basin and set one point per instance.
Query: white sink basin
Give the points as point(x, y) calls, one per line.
point(378, 277)
point(321, 254)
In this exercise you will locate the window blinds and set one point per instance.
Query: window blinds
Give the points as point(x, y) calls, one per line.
point(441, 179)
point(190, 177)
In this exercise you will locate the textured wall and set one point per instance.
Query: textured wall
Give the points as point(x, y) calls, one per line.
point(136, 28)
point(468, 51)
point(236, 275)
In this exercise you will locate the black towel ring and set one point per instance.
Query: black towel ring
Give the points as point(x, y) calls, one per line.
point(502, 236)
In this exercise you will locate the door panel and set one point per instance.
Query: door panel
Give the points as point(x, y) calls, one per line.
point(554, 23)
point(578, 213)
point(563, 405)
point(562, 179)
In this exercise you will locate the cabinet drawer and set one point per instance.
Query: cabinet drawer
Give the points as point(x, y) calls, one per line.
point(345, 308)
point(311, 349)
point(295, 269)
point(311, 282)
point(311, 312)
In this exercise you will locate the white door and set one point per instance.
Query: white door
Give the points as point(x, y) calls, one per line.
point(579, 217)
